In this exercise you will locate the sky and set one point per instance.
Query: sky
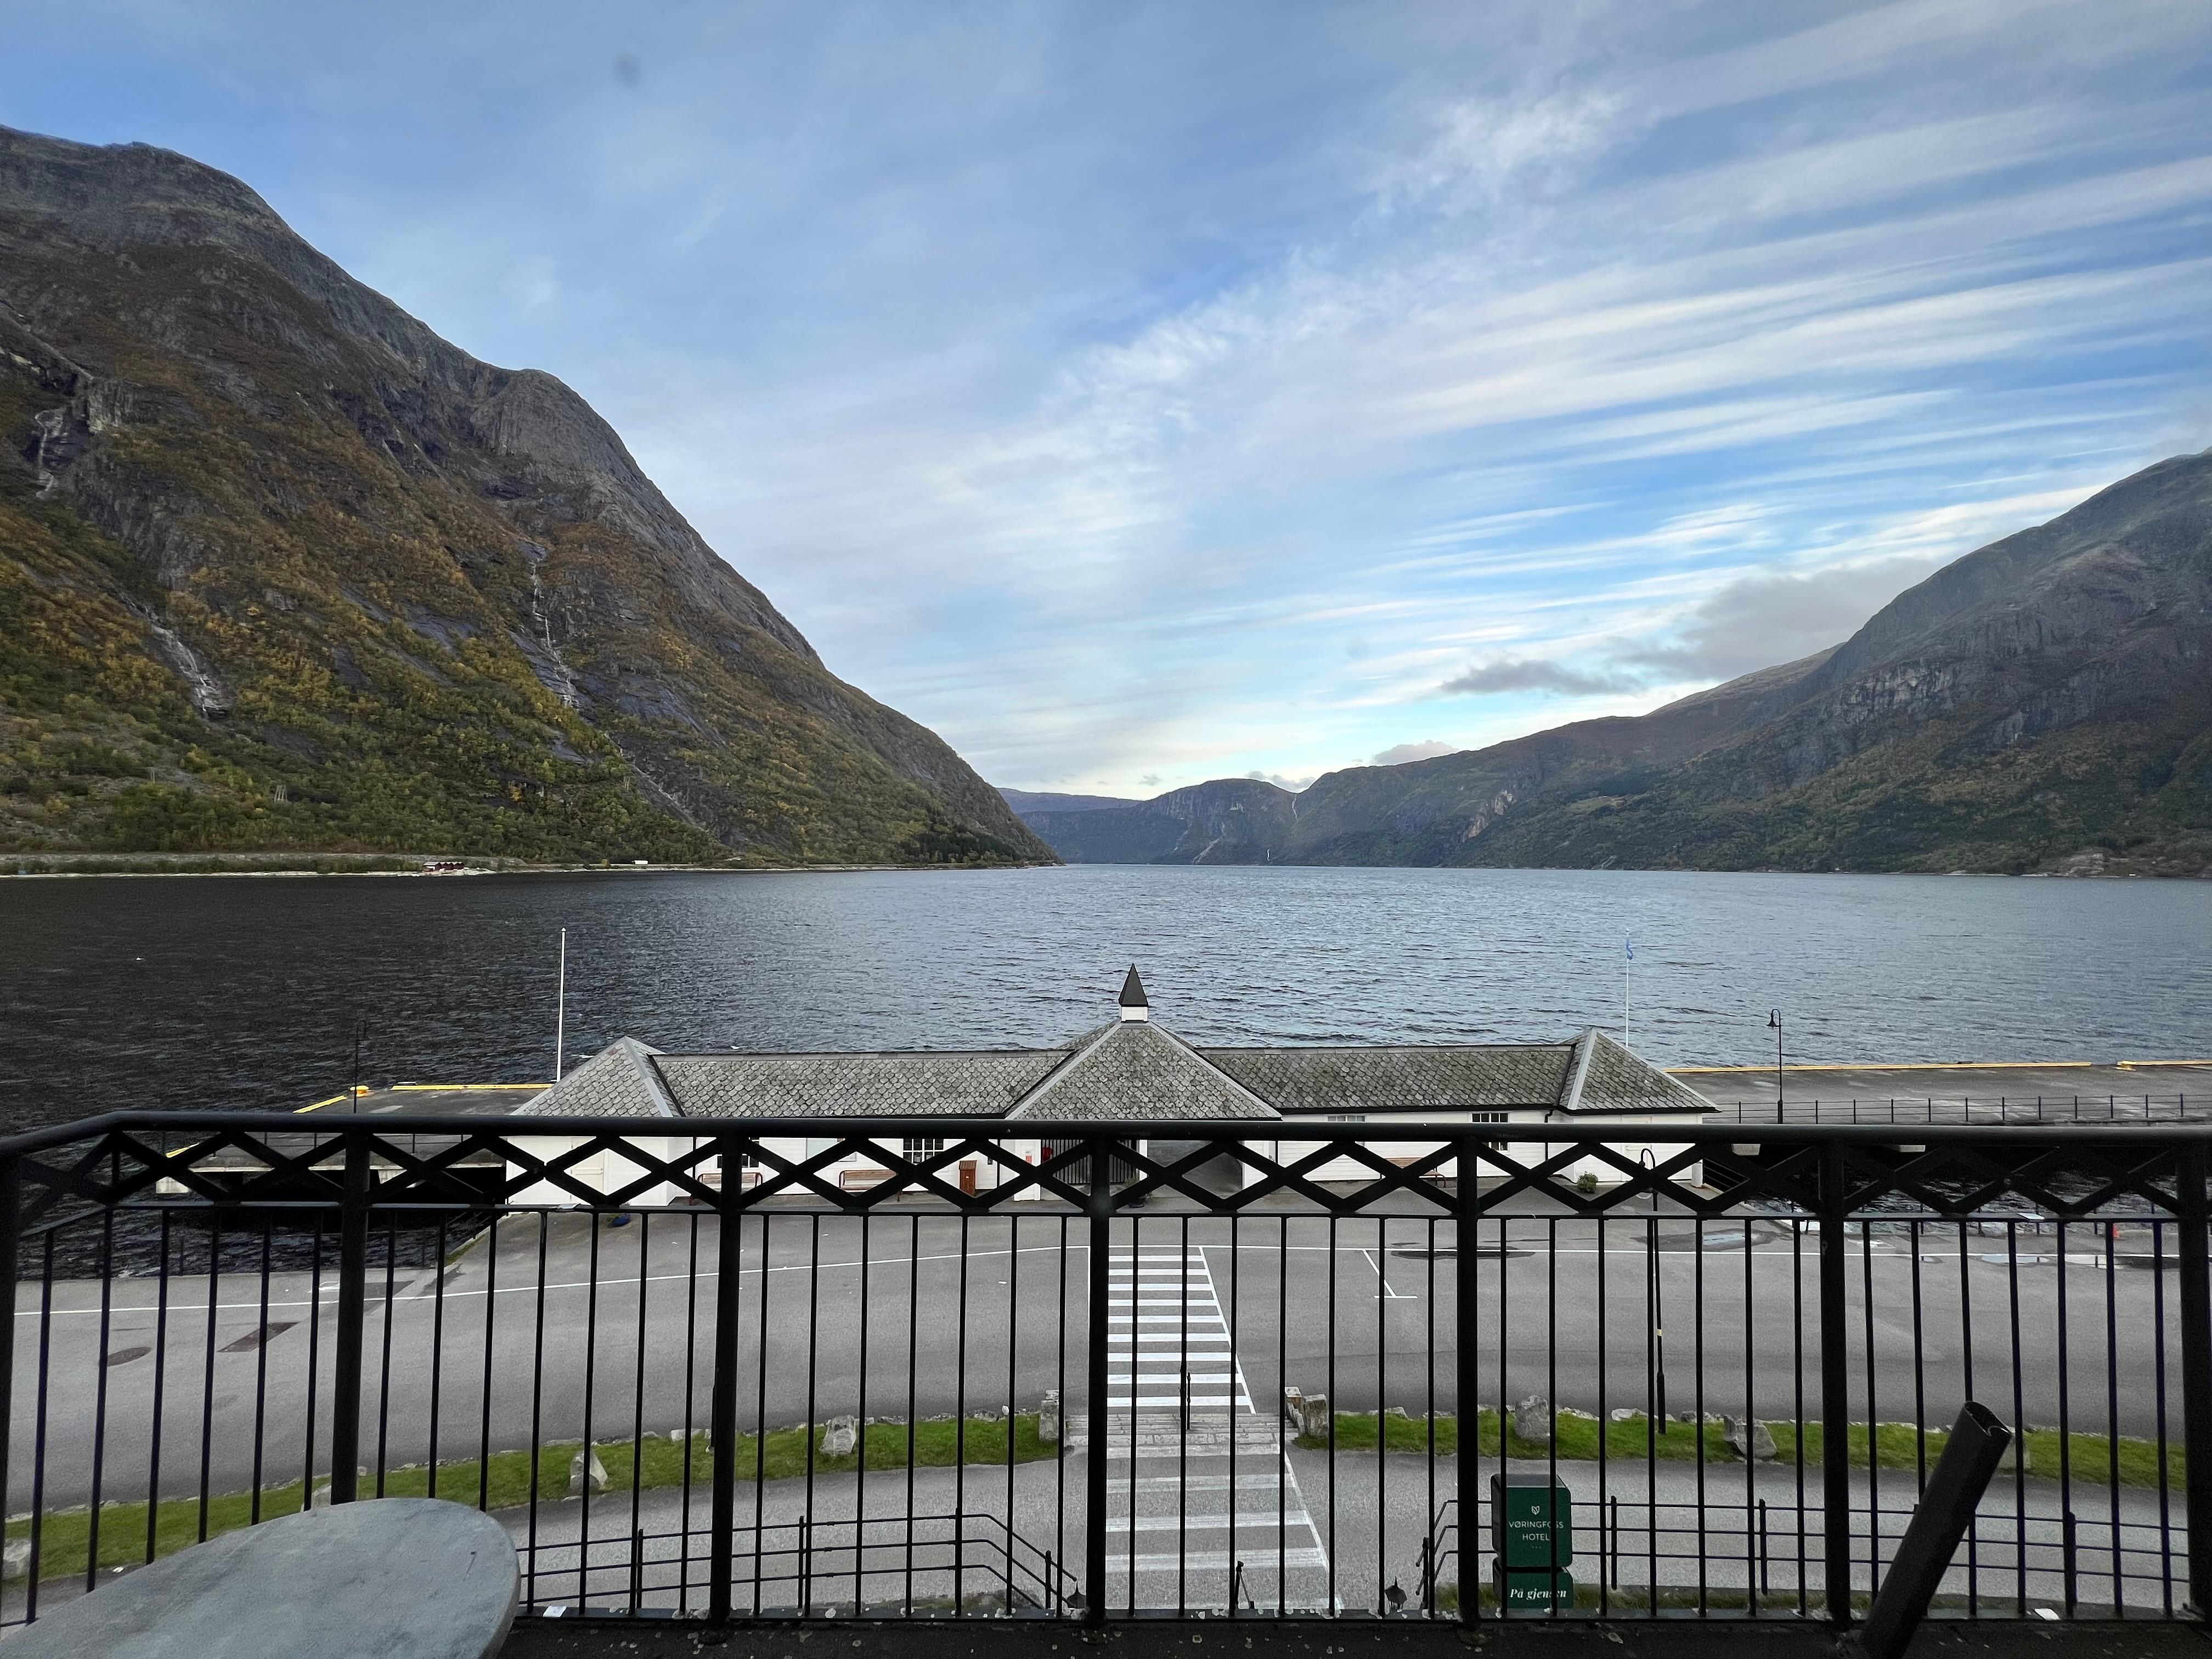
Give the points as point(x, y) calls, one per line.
point(1138, 394)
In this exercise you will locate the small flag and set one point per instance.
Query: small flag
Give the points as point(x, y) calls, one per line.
point(1630, 944)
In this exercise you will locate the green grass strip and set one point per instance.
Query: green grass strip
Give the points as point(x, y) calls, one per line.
point(2088, 1457)
point(66, 1535)
point(1898, 1445)
point(1577, 1437)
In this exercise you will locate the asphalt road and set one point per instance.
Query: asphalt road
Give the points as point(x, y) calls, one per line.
point(911, 1315)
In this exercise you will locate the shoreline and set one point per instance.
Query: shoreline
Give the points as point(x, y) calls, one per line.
point(15, 868)
point(248, 868)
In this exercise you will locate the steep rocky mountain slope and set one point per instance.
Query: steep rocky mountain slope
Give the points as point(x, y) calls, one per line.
point(280, 569)
point(1229, 821)
point(2044, 702)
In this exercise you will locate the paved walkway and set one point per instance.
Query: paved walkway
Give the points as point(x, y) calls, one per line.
point(1202, 1505)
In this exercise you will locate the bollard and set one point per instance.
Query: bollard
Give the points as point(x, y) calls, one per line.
point(1970, 1458)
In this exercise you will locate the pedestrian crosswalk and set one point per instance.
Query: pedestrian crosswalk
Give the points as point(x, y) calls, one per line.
point(1204, 1507)
point(1167, 1342)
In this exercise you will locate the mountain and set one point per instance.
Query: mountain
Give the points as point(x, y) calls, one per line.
point(1229, 821)
point(2042, 704)
point(280, 569)
point(1031, 800)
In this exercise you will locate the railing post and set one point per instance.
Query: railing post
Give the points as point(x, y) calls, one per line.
point(1094, 1470)
point(2191, 1243)
point(722, 1423)
point(353, 1299)
point(1835, 1393)
point(1467, 1456)
point(2068, 1558)
point(11, 1222)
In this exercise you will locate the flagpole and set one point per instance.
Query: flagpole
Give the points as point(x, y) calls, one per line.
point(1628, 954)
point(560, 1008)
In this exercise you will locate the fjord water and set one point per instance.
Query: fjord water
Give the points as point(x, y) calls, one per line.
point(243, 993)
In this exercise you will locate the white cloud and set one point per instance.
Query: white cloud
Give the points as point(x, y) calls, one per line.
point(1398, 754)
point(1484, 151)
point(1529, 674)
point(535, 286)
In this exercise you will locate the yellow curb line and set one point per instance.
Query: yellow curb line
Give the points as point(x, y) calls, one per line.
point(423, 1088)
point(402, 1088)
point(1947, 1065)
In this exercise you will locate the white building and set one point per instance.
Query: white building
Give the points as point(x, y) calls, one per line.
point(1131, 1069)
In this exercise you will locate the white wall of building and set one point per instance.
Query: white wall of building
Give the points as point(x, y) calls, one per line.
point(604, 1171)
point(608, 1171)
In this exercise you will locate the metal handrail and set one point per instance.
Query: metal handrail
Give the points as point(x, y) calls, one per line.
point(94, 1193)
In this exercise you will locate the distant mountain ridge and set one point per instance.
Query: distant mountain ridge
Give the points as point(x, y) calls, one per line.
point(1031, 800)
point(281, 570)
point(1229, 821)
point(2044, 702)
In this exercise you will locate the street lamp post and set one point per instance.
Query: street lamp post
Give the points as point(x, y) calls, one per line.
point(353, 1090)
point(1658, 1309)
point(1774, 1024)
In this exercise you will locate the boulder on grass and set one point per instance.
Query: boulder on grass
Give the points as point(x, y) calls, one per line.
point(582, 1473)
point(1308, 1414)
point(1752, 1440)
point(1532, 1421)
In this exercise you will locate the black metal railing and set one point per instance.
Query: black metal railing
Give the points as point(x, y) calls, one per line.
point(784, 1370)
point(1902, 1111)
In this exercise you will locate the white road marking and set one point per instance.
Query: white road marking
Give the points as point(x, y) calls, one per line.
point(1386, 1294)
point(1187, 1355)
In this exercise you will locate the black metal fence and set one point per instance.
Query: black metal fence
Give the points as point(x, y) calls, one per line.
point(824, 1369)
point(1902, 1111)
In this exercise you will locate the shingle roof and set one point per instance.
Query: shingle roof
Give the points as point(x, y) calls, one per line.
point(1609, 1077)
point(1120, 1070)
point(618, 1081)
point(1400, 1080)
point(920, 1083)
point(1136, 1070)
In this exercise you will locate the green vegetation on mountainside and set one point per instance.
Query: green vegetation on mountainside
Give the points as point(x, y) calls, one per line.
point(101, 748)
point(280, 570)
point(1928, 801)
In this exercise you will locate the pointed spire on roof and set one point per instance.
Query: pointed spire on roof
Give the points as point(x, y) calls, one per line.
point(1133, 1004)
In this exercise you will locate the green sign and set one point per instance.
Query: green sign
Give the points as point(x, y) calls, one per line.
point(1531, 1525)
point(1545, 1590)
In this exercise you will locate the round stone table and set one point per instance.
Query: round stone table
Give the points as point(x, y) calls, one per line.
point(398, 1577)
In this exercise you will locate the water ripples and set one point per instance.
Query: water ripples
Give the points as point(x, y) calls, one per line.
point(243, 993)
